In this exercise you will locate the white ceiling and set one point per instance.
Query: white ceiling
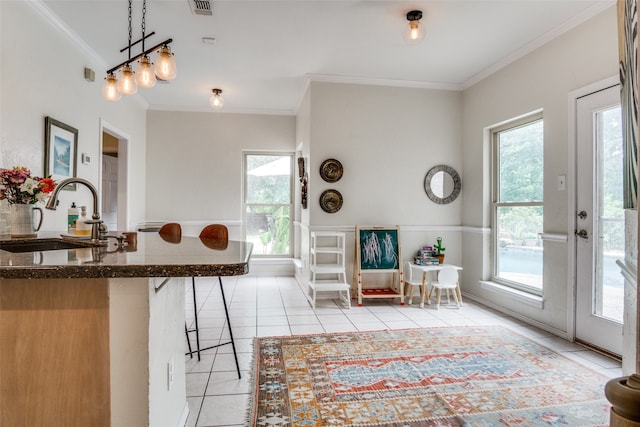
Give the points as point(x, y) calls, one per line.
point(264, 48)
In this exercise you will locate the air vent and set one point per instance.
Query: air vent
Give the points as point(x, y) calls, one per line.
point(201, 7)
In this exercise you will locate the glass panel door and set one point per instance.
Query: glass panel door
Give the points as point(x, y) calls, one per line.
point(599, 221)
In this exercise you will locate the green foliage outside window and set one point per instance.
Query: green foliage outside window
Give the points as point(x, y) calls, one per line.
point(521, 180)
point(268, 203)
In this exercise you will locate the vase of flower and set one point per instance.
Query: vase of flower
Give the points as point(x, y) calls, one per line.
point(23, 191)
point(21, 220)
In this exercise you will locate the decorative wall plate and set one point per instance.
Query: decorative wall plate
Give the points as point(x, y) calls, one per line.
point(331, 201)
point(331, 170)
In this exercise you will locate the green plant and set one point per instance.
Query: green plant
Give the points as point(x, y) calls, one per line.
point(265, 237)
point(438, 246)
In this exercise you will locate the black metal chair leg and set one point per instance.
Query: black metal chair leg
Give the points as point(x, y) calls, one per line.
point(186, 333)
point(195, 309)
point(226, 312)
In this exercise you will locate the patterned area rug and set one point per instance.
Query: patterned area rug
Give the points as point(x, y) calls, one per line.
point(435, 377)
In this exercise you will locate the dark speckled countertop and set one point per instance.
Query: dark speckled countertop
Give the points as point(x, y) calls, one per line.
point(151, 257)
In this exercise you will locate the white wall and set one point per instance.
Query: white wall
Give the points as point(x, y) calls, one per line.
point(194, 161)
point(42, 75)
point(387, 139)
point(542, 79)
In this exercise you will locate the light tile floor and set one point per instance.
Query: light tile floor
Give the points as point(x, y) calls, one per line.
point(265, 306)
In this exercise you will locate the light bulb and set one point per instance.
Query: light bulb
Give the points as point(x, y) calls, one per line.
point(145, 75)
point(415, 33)
point(110, 89)
point(165, 67)
point(127, 81)
point(216, 100)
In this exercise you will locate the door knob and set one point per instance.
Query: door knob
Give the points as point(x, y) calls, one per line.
point(582, 215)
point(583, 234)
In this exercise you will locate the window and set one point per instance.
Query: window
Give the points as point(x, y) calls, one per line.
point(517, 215)
point(268, 203)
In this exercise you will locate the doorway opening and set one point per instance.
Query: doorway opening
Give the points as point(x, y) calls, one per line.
point(114, 158)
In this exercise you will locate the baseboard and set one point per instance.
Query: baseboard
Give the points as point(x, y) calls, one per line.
point(527, 320)
point(272, 267)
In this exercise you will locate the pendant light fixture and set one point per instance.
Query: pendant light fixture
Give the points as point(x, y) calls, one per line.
point(415, 32)
point(216, 100)
point(146, 75)
point(110, 89)
point(128, 79)
point(127, 82)
point(166, 65)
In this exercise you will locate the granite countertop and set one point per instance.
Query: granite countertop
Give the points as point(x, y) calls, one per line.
point(152, 256)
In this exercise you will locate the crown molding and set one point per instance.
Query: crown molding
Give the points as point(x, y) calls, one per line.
point(225, 110)
point(63, 28)
point(329, 78)
point(589, 13)
point(59, 25)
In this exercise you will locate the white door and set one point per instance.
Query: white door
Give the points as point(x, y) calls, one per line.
point(600, 220)
point(110, 192)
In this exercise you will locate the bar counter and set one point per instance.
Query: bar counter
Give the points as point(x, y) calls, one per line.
point(151, 257)
point(95, 336)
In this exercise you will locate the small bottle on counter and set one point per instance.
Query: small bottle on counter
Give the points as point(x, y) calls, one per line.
point(72, 216)
point(82, 228)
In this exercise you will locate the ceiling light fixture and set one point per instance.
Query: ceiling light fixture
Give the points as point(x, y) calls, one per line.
point(216, 100)
point(415, 33)
point(128, 80)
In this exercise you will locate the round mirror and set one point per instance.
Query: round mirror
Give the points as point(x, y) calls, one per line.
point(442, 184)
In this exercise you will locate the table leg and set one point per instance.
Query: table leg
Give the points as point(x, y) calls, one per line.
point(457, 289)
point(423, 289)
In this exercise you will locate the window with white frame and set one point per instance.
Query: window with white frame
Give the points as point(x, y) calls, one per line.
point(268, 205)
point(517, 208)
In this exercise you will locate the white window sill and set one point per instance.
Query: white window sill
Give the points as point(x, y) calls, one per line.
point(515, 294)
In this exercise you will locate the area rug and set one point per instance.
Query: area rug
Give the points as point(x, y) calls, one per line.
point(434, 377)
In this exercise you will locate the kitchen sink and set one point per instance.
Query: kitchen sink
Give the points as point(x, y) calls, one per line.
point(38, 245)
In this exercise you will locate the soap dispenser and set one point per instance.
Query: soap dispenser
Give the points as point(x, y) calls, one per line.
point(72, 217)
point(82, 228)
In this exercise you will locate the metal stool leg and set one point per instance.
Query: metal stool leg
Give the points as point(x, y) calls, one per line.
point(196, 329)
point(226, 312)
point(186, 332)
point(195, 309)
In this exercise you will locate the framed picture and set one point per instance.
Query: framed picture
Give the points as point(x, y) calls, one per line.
point(60, 150)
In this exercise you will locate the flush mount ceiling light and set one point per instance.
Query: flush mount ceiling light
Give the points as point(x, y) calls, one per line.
point(128, 80)
point(415, 32)
point(216, 100)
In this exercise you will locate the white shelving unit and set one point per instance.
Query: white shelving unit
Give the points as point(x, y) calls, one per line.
point(327, 266)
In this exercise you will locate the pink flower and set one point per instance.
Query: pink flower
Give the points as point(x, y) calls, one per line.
point(17, 186)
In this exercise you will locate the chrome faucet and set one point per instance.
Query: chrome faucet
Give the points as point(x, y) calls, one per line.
point(98, 229)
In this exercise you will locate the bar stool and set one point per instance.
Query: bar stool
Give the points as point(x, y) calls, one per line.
point(214, 236)
point(172, 232)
